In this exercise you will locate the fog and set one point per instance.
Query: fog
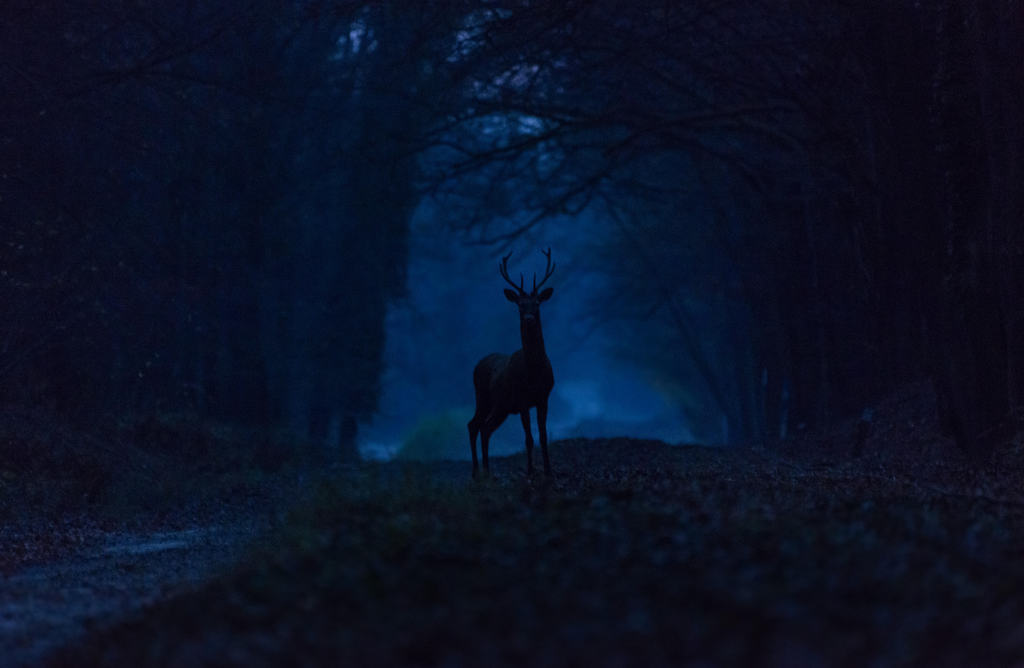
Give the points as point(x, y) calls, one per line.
point(454, 313)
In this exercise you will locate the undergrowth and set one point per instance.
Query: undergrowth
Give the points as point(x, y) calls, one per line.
point(155, 467)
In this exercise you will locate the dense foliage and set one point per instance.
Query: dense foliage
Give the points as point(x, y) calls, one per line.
point(205, 207)
point(204, 210)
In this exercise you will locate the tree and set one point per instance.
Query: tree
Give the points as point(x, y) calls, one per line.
point(208, 205)
point(850, 165)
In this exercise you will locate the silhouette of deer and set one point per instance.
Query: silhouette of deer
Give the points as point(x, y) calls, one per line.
point(515, 383)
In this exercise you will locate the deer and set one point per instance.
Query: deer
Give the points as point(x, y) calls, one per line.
point(506, 384)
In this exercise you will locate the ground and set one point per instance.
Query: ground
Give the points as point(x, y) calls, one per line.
point(634, 553)
point(108, 575)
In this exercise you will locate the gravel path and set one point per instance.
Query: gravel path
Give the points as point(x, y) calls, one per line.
point(45, 606)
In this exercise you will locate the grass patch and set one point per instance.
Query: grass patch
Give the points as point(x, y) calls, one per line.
point(440, 436)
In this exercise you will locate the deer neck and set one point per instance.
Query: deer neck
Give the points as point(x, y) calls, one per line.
point(533, 342)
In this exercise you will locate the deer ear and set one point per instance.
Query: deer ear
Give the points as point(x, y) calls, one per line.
point(545, 294)
point(511, 296)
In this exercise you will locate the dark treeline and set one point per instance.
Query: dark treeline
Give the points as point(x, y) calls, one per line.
point(205, 207)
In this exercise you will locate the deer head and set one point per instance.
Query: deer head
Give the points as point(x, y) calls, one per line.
point(528, 302)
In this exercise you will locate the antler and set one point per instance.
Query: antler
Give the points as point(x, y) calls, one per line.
point(550, 269)
point(503, 268)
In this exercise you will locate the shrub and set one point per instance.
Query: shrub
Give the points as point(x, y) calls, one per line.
point(438, 436)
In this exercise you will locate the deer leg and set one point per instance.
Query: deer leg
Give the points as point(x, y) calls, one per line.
point(485, 441)
point(525, 417)
point(542, 427)
point(489, 426)
point(474, 428)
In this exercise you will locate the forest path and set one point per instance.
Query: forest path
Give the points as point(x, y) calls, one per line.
point(45, 606)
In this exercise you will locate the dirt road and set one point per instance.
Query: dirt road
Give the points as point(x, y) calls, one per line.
point(45, 606)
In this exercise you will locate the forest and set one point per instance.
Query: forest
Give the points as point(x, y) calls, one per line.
point(249, 258)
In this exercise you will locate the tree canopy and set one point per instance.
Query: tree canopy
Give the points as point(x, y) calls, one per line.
point(206, 207)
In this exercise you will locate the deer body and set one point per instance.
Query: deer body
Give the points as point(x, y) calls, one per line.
point(507, 384)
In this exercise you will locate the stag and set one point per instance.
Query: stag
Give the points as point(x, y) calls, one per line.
point(515, 383)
